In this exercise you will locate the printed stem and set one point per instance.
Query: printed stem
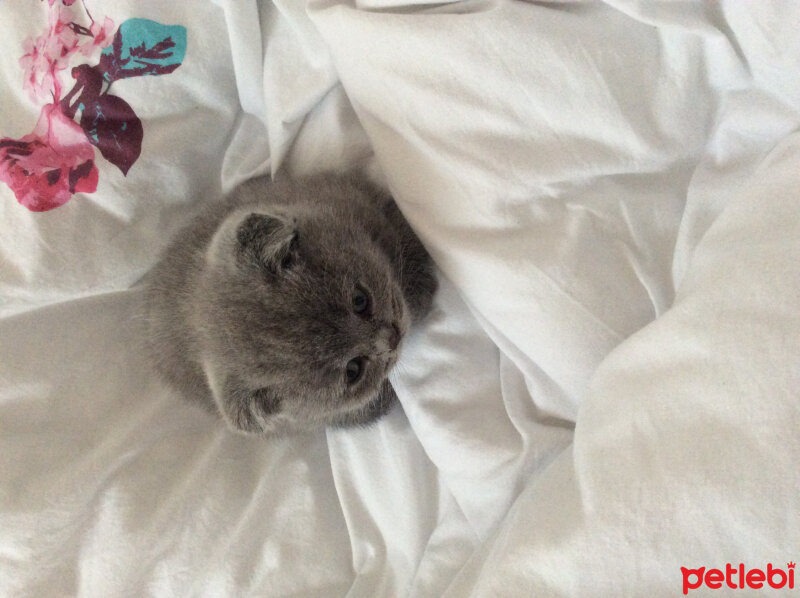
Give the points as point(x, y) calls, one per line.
point(88, 14)
point(69, 111)
point(56, 84)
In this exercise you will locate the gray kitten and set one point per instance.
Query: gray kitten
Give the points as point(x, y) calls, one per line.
point(284, 306)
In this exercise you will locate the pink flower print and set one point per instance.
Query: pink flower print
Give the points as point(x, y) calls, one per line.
point(46, 167)
point(39, 76)
point(101, 36)
point(50, 53)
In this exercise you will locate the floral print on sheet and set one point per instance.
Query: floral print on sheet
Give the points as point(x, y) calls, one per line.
point(46, 167)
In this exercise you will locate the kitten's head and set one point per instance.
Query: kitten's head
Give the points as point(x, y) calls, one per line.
point(304, 309)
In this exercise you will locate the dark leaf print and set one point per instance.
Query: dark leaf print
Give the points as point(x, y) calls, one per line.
point(143, 47)
point(86, 92)
point(113, 127)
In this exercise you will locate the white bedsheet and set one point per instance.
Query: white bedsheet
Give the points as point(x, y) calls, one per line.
point(607, 390)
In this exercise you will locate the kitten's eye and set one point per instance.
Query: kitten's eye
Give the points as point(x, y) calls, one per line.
point(354, 369)
point(360, 301)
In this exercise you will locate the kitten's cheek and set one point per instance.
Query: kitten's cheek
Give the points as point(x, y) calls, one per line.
point(267, 402)
point(264, 407)
point(244, 421)
point(382, 403)
point(379, 405)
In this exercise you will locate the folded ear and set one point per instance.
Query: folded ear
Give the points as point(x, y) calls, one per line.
point(266, 241)
point(245, 410)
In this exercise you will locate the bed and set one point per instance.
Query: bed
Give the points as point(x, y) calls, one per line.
point(605, 400)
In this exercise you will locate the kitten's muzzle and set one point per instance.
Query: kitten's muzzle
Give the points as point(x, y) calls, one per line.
point(387, 339)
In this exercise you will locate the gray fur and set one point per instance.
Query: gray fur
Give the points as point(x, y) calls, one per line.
point(250, 310)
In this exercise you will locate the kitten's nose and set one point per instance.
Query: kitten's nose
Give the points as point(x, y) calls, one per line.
point(387, 339)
